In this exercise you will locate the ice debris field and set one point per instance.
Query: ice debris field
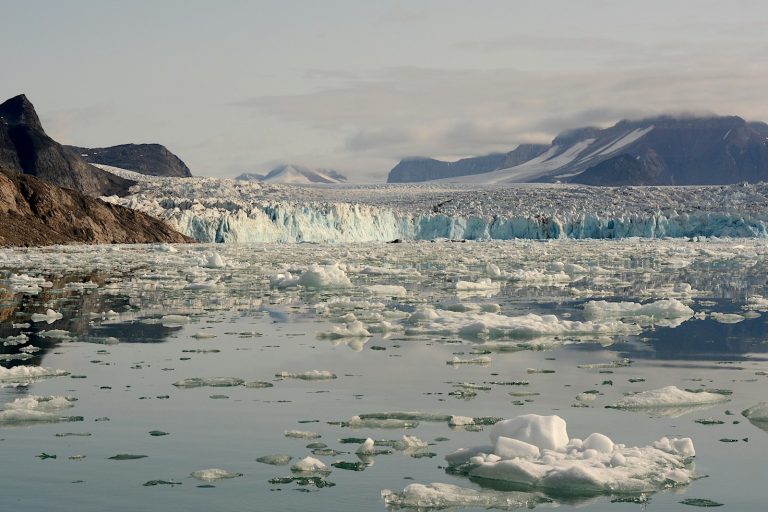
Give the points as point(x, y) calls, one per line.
point(424, 375)
point(238, 211)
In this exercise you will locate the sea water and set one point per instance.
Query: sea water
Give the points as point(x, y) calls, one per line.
point(345, 341)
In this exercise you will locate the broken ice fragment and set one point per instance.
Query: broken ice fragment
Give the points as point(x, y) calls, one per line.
point(49, 317)
point(196, 382)
point(447, 496)
point(310, 465)
point(309, 375)
point(302, 434)
point(275, 460)
point(670, 397)
point(213, 474)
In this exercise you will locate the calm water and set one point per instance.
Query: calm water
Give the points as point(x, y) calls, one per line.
point(236, 323)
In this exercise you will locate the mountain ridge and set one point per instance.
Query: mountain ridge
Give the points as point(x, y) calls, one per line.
point(296, 174)
point(662, 150)
point(27, 149)
point(150, 159)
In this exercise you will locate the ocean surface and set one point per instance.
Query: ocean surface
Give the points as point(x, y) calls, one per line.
point(309, 336)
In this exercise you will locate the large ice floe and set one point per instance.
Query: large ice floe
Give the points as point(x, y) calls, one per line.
point(36, 409)
point(214, 210)
point(535, 452)
point(669, 401)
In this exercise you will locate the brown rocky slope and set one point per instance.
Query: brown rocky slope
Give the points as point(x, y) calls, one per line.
point(33, 213)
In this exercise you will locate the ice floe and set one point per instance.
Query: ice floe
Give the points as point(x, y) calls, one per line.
point(214, 474)
point(536, 452)
point(669, 400)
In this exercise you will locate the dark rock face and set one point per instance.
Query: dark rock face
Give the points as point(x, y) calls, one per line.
point(25, 148)
point(412, 170)
point(658, 151)
point(150, 159)
point(33, 213)
point(695, 151)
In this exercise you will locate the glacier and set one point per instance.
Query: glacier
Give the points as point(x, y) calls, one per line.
point(227, 211)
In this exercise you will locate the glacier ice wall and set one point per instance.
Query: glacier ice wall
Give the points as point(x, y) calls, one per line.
point(220, 211)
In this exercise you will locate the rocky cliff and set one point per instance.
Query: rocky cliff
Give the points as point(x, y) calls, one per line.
point(27, 149)
point(33, 212)
point(150, 159)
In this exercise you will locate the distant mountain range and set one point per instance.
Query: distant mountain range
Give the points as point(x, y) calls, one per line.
point(656, 151)
point(296, 174)
point(150, 159)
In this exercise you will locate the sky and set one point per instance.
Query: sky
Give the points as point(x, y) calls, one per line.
point(242, 86)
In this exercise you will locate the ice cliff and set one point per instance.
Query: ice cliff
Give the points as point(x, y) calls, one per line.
point(214, 210)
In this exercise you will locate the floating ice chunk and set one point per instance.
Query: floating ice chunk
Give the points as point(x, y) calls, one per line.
point(757, 415)
point(367, 448)
point(172, 320)
point(427, 320)
point(310, 465)
point(29, 349)
point(41, 403)
point(214, 382)
point(275, 460)
point(309, 375)
point(756, 303)
point(49, 317)
point(213, 260)
point(727, 318)
point(669, 396)
point(411, 443)
point(57, 334)
point(24, 374)
point(213, 474)
point(15, 340)
point(757, 412)
point(354, 329)
point(389, 290)
point(537, 277)
point(203, 335)
point(664, 309)
point(461, 421)
point(483, 284)
point(316, 276)
point(564, 465)
point(473, 360)
point(445, 496)
point(27, 416)
point(542, 431)
point(358, 422)
point(302, 434)
point(164, 248)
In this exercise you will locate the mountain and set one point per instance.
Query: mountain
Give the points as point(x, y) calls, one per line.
point(34, 212)
point(296, 174)
point(150, 159)
point(412, 170)
point(25, 148)
point(656, 151)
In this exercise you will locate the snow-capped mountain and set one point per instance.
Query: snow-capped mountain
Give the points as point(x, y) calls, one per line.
point(296, 174)
point(657, 151)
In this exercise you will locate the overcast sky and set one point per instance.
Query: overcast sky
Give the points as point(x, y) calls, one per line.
point(240, 86)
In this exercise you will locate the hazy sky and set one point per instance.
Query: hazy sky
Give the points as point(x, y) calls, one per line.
point(236, 86)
